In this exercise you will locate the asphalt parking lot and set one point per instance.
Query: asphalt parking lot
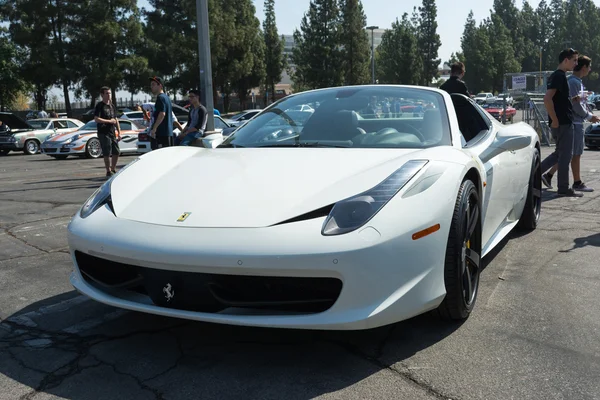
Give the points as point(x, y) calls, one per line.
point(533, 335)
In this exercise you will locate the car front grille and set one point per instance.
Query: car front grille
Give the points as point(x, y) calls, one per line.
point(213, 292)
point(49, 150)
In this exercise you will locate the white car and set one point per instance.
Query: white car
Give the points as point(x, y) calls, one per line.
point(58, 125)
point(84, 141)
point(331, 223)
point(241, 118)
point(483, 98)
point(144, 145)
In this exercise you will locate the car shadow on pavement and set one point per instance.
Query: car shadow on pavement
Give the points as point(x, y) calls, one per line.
point(136, 355)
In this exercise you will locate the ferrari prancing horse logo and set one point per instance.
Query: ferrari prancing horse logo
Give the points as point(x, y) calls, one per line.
point(183, 216)
point(169, 292)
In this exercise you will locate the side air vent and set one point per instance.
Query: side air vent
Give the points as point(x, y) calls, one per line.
point(321, 212)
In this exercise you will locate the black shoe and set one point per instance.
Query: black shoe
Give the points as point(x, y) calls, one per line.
point(109, 174)
point(569, 193)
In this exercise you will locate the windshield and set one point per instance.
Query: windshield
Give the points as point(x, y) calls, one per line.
point(39, 124)
point(90, 126)
point(359, 117)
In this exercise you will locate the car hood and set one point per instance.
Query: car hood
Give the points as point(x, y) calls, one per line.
point(246, 188)
point(67, 135)
point(14, 122)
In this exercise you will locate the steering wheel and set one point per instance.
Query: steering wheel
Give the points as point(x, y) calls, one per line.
point(387, 131)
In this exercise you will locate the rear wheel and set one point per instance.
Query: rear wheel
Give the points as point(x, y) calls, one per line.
point(31, 147)
point(93, 148)
point(463, 255)
point(533, 205)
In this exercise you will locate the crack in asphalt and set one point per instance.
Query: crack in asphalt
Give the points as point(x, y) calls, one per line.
point(9, 233)
point(81, 345)
point(375, 359)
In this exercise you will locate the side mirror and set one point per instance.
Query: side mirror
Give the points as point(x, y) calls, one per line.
point(212, 140)
point(503, 143)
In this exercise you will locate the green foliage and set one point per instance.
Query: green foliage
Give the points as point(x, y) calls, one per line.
point(317, 54)
point(429, 41)
point(398, 57)
point(11, 81)
point(274, 60)
point(354, 43)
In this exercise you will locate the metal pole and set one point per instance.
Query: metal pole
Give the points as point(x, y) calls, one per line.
point(372, 29)
point(372, 57)
point(206, 87)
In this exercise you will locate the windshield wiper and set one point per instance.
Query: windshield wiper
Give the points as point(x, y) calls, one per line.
point(304, 144)
point(222, 146)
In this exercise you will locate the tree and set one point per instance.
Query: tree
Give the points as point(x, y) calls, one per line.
point(103, 35)
point(510, 16)
point(274, 44)
point(478, 56)
point(531, 39)
point(503, 55)
point(429, 41)
point(31, 29)
point(317, 52)
point(399, 60)
point(354, 42)
point(11, 82)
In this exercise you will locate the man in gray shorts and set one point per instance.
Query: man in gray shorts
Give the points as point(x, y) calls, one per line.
point(580, 114)
point(105, 116)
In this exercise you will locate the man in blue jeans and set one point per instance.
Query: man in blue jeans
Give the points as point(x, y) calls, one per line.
point(560, 115)
point(580, 115)
point(197, 118)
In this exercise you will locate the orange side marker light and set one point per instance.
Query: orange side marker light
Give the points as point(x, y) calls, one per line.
point(425, 232)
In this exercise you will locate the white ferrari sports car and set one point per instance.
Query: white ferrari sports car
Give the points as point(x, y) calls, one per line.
point(347, 219)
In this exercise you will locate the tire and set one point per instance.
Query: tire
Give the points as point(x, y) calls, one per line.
point(533, 205)
point(31, 147)
point(463, 255)
point(93, 148)
point(4, 152)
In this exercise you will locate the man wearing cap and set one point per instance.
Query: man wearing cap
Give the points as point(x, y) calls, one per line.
point(161, 132)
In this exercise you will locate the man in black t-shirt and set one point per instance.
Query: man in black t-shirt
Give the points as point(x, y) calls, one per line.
point(455, 84)
point(105, 116)
point(560, 118)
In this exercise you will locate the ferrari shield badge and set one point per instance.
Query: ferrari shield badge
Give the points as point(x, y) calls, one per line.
point(183, 216)
point(169, 292)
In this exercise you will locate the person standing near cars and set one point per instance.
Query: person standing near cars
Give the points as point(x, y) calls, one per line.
point(105, 115)
point(580, 114)
point(197, 118)
point(161, 131)
point(455, 84)
point(560, 117)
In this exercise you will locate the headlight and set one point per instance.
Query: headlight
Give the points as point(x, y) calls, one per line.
point(102, 195)
point(352, 213)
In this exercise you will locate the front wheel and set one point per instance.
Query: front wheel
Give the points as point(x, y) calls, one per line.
point(93, 148)
point(463, 255)
point(31, 147)
point(533, 203)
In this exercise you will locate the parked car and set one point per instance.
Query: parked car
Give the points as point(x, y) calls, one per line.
point(59, 125)
point(497, 109)
point(484, 97)
point(84, 141)
point(592, 137)
point(242, 117)
point(220, 126)
point(509, 99)
point(22, 135)
point(338, 223)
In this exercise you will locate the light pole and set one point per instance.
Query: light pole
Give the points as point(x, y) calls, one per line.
point(372, 28)
point(206, 87)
